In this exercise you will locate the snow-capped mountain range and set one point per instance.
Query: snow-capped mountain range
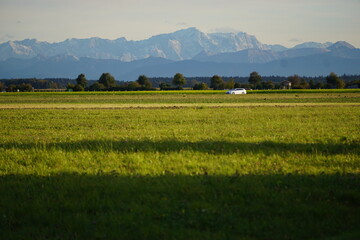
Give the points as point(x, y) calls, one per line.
point(180, 45)
point(189, 51)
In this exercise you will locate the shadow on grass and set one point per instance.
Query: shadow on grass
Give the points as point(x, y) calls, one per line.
point(214, 147)
point(72, 206)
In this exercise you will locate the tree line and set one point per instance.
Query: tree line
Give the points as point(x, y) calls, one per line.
point(107, 82)
point(255, 81)
point(26, 85)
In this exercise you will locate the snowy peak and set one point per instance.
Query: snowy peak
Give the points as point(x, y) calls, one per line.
point(341, 45)
point(313, 45)
point(187, 32)
point(15, 50)
point(232, 42)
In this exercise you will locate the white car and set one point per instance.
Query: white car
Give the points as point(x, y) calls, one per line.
point(237, 91)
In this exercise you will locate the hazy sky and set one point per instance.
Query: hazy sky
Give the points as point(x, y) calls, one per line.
point(286, 22)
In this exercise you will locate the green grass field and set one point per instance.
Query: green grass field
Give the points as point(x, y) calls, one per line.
point(180, 165)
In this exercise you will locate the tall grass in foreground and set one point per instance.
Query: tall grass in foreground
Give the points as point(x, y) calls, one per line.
point(191, 173)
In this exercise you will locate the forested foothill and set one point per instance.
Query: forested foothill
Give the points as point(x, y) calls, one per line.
point(254, 81)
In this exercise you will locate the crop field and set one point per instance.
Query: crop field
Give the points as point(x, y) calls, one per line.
point(180, 165)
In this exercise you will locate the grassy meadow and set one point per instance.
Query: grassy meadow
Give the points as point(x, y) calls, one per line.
point(180, 165)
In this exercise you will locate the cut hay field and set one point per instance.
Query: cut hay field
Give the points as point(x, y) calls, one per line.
point(180, 165)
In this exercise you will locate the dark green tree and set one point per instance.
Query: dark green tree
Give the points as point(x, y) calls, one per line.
point(334, 81)
point(144, 81)
point(12, 88)
point(331, 79)
point(78, 88)
point(107, 80)
point(304, 84)
point(312, 84)
point(1, 86)
point(230, 84)
point(319, 85)
point(25, 87)
point(81, 80)
point(200, 86)
point(295, 81)
point(255, 79)
point(133, 86)
point(268, 85)
point(340, 84)
point(179, 80)
point(97, 87)
point(217, 83)
point(237, 85)
point(164, 86)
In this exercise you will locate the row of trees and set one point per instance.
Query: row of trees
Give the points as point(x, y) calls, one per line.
point(255, 82)
point(107, 82)
point(23, 87)
point(27, 84)
point(296, 82)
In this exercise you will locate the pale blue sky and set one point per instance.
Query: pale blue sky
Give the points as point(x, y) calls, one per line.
point(286, 22)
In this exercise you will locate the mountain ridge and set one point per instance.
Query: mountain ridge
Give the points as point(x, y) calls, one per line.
point(189, 51)
point(70, 67)
point(180, 45)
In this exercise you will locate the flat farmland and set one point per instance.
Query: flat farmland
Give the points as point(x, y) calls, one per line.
point(189, 98)
point(180, 165)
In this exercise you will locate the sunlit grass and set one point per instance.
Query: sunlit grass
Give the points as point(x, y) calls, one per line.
point(183, 141)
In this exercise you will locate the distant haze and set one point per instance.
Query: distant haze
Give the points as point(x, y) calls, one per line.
point(284, 22)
